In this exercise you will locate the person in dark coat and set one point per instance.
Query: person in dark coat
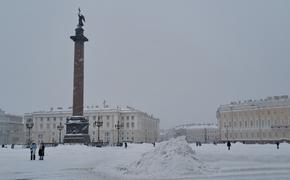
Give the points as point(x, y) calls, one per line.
point(277, 143)
point(41, 151)
point(229, 145)
point(126, 145)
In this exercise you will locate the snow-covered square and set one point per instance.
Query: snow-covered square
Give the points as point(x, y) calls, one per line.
point(174, 159)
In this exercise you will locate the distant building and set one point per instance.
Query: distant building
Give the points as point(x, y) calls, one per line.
point(11, 128)
point(265, 120)
point(194, 132)
point(199, 132)
point(137, 127)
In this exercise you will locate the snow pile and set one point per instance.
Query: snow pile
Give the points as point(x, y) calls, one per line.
point(170, 158)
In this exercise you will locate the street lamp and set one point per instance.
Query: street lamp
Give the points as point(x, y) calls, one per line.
point(60, 127)
point(29, 125)
point(118, 126)
point(98, 124)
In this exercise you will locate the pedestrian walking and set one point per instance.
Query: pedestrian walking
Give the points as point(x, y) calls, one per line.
point(229, 145)
point(41, 151)
point(126, 145)
point(277, 143)
point(153, 144)
point(33, 148)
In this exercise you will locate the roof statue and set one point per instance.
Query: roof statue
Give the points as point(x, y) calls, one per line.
point(81, 19)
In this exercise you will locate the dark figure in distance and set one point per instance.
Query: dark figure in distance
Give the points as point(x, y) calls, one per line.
point(41, 151)
point(277, 144)
point(153, 144)
point(229, 145)
point(126, 145)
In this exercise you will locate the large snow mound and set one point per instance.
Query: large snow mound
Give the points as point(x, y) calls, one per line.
point(170, 158)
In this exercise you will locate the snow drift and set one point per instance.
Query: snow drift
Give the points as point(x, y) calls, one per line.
point(170, 158)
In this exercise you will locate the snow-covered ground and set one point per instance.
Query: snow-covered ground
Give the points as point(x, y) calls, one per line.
point(174, 159)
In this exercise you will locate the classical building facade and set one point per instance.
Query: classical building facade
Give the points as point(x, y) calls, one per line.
point(11, 128)
point(202, 132)
point(194, 132)
point(265, 120)
point(136, 126)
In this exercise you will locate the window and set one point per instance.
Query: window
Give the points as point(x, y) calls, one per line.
point(132, 117)
point(122, 118)
point(108, 124)
point(132, 124)
point(54, 119)
point(108, 117)
point(127, 117)
point(127, 124)
point(60, 118)
point(94, 117)
point(41, 119)
point(99, 117)
point(47, 118)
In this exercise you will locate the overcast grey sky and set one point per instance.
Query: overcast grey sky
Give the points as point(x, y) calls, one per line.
point(176, 59)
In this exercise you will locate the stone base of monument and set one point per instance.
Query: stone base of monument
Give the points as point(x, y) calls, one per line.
point(77, 130)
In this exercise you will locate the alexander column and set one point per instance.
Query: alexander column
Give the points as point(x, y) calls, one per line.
point(77, 126)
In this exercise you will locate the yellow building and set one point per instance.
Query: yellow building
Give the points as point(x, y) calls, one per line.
point(265, 120)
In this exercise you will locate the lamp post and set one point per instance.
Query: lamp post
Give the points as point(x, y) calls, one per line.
point(118, 126)
point(60, 127)
point(29, 125)
point(98, 123)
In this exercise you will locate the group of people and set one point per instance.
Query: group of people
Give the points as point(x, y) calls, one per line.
point(198, 143)
point(33, 148)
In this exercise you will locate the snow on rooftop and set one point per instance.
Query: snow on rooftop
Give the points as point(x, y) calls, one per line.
point(272, 101)
point(196, 126)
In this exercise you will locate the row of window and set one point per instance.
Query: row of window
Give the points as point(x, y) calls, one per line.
point(93, 117)
point(54, 126)
point(254, 135)
point(127, 125)
point(268, 112)
point(251, 124)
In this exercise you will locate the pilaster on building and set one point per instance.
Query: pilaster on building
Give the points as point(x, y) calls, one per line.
point(264, 120)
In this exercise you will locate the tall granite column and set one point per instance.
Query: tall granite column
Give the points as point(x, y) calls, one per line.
point(77, 126)
point(78, 88)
